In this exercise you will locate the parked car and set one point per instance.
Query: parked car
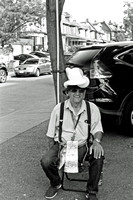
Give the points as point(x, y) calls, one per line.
point(109, 67)
point(22, 57)
point(3, 73)
point(67, 55)
point(33, 66)
point(40, 54)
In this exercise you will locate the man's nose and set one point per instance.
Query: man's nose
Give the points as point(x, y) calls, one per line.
point(77, 92)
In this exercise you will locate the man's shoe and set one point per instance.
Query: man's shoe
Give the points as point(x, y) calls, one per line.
point(52, 191)
point(91, 196)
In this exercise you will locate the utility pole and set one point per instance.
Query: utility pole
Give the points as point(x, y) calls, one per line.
point(58, 51)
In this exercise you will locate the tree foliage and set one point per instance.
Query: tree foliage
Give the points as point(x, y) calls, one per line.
point(14, 14)
point(128, 17)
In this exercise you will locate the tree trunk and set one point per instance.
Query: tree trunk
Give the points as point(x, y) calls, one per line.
point(2, 43)
point(52, 44)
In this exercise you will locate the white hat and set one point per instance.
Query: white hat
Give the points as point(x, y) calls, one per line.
point(76, 77)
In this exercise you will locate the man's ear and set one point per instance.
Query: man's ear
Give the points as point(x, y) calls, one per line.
point(65, 92)
point(84, 93)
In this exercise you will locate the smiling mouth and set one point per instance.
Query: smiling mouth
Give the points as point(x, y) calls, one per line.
point(77, 97)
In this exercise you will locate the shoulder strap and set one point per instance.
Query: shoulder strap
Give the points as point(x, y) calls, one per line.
point(89, 119)
point(61, 120)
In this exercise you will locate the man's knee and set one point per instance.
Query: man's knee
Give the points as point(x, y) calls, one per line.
point(45, 162)
point(99, 162)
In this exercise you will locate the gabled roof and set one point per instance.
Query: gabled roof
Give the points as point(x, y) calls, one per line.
point(89, 24)
point(105, 26)
point(98, 27)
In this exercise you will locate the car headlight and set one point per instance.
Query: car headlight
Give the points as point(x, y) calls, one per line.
point(16, 68)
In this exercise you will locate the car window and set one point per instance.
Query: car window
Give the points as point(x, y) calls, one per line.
point(99, 70)
point(127, 57)
point(21, 56)
point(41, 61)
point(39, 54)
point(24, 57)
point(83, 57)
point(32, 53)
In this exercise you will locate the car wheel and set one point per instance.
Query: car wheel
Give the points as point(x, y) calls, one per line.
point(37, 74)
point(3, 76)
point(128, 118)
point(50, 72)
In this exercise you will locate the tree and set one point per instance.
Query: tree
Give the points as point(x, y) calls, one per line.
point(52, 44)
point(14, 14)
point(128, 18)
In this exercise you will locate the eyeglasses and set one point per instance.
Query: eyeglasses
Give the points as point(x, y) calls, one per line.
point(74, 90)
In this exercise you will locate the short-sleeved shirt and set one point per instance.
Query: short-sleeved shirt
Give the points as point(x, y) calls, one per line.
point(69, 121)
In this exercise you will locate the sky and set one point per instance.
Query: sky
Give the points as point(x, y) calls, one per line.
point(99, 10)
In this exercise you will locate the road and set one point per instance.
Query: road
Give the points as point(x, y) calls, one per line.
point(24, 102)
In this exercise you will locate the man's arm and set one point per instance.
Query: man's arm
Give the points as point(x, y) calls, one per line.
point(96, 146)
point(50, 142)
point(98, 137)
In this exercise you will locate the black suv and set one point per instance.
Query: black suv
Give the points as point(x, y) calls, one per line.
point(109, 67)
point(3, 73)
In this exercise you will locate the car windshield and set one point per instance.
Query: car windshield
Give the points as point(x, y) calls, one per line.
point(83, 57)
point(40, 54)
point(31, 62)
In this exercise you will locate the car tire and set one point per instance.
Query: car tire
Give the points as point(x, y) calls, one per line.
point(127, 121)
point(50, 72)
point(3, 76)
point(37, 74)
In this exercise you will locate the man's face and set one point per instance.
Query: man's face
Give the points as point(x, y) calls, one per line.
point(76, 95)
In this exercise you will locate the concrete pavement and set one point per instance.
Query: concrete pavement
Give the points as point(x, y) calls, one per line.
point(21, 120)
point(22, 177)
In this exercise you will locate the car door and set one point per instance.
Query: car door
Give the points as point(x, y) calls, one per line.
point(46, 65)
point(41, 66)
point(124, 62)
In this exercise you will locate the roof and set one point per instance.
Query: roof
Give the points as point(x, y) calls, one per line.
point(123, 43)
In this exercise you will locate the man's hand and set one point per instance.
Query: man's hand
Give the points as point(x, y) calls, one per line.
point(97, 149)
point(50, 142)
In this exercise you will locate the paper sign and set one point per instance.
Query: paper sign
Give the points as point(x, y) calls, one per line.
point(71, 164)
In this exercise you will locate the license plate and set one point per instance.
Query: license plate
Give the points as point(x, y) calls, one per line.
point(21, 71)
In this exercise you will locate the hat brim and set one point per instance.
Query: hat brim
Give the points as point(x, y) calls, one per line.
point(82, 83)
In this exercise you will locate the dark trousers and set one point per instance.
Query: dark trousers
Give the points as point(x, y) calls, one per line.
point(49, 163)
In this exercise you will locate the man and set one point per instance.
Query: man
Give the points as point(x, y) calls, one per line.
point(74, 128)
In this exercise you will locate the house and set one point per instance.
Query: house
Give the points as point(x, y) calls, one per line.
point(90, 32)
point(107, 32)
point(74, 34)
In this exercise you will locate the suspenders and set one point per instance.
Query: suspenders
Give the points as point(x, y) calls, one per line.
point(61, 120)
point(88, 120)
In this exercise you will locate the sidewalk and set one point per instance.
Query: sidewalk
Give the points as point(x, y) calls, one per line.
point(22, 178)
